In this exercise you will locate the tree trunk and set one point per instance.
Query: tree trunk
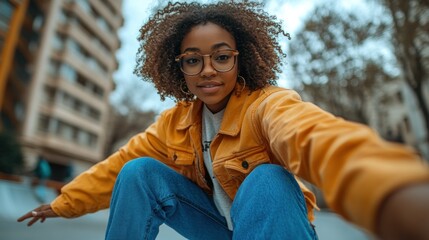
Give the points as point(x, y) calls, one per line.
point(409, 54)
point(424, 109)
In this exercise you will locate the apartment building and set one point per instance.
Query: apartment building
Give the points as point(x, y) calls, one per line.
point(395, 114)
point(54, 89)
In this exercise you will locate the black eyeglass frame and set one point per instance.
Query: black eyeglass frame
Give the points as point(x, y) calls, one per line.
point(179, 57)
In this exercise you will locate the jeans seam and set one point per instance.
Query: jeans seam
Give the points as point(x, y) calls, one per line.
point(193, 205)
point(301, 199)
point(297, 190)
point(147, 230)
point(315, 236)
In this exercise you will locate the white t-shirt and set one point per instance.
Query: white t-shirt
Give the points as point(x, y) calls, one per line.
point(211, 125)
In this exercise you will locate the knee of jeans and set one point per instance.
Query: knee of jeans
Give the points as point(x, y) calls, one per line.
point(139, 167)
point(265, 170)
point(266, 180)
point(270, 173)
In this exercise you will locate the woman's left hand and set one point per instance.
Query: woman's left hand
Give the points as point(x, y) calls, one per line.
point(40, 213)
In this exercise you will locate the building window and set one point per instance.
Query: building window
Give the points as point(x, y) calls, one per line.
point(53, 125)
point(53, 68)
point(95, 65)
point(43, 123)
point(94, 114)
point(87, 139)
point(90, 61)
point(73, 46)
point(110, 7)
point(101, 45)
point(101, 22)
point(75, 134)
point(84, 5)
point(98, 91)
point(65, 131)
point(83, 138)
point(63, 17)
point(91, 35)
point(68, 72)
point(66, 100)
point(49, 94)
point(407, 125)
point(81, 81)
point(58, 43)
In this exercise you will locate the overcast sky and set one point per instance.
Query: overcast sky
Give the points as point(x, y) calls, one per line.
point(291, 12)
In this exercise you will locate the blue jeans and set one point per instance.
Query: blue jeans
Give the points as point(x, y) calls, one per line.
point(268, 205)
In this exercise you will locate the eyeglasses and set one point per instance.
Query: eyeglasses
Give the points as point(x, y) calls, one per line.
point(192, 63)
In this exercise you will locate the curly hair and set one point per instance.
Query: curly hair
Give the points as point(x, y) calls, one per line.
point(256, 34)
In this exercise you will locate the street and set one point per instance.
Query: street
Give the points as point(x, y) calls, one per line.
point(17, 198)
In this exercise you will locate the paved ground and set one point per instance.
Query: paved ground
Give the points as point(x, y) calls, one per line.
point(15, 199)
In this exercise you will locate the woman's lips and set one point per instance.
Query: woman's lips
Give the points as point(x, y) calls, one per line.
point(210, 87)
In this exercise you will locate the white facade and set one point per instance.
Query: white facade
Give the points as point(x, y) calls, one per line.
point(395, 114)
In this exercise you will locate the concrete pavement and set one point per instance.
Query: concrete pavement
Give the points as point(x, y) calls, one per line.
point(17, 198)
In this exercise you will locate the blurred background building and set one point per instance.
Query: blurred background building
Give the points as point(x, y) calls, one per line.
point(395, 114)
point(57, 59)
point(374, 70)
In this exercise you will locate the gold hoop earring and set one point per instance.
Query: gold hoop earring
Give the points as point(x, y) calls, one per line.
point(243, 84)
point(184, 88)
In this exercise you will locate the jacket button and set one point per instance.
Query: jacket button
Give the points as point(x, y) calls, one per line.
point(245, 164)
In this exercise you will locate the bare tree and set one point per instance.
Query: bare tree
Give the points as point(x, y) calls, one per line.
point(123, 126)
point(410, 41)
point(332, 65)
point(127, 116)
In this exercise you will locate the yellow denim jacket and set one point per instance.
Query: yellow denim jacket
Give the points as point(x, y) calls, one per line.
point(354, 168)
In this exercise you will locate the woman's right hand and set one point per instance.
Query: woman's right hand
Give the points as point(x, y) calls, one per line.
point(40, 213)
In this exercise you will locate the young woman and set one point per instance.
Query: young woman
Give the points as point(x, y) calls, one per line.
point(225, 162)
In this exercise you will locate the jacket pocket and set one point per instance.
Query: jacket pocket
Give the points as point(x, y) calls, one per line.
point(243, 162)
point(181, 156)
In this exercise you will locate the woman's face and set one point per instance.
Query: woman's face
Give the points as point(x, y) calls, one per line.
point(211, 86)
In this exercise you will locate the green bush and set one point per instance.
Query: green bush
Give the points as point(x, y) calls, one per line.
point(11, 158)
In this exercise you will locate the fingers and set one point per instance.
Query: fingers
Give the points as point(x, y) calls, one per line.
point(40, 213)
point(30, 214)
point(22, 218)
point(35, 219)
point(32, 221)
point(25, 216)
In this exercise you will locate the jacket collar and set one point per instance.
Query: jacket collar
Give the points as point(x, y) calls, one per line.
point(231, 125)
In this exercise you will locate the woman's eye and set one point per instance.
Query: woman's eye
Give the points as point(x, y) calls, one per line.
point(223, 57)
point(192, 60)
